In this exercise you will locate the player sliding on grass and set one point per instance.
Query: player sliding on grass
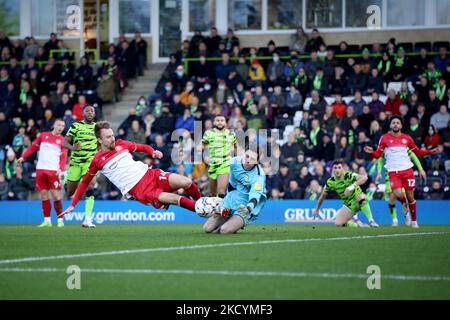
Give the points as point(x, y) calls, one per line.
point(395, 146)
point(245, 198)
point(390, 195)
point(148, 186)
point(348, 186)
point(51, 162)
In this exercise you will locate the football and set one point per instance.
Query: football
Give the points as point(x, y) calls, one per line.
point(207, 206)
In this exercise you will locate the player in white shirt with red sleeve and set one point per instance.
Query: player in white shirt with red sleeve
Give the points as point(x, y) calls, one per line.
point(52, 159)
point(135, 178)
point(395, 146)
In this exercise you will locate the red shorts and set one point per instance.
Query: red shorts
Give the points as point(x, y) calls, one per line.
point(152, 184)
point(402, 179)
point(47, 180)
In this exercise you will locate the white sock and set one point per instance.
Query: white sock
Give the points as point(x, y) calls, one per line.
point(47, 219)
point(88, 220)
point(60, 219)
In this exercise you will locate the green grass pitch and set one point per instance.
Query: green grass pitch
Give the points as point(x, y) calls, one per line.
point(260, 262)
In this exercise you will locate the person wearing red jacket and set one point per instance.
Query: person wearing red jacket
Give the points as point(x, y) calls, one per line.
point(134, 178)
point(52, 159)
point(395, 145)
point(393, 103)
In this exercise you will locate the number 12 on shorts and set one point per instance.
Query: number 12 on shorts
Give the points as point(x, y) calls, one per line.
point(411, 182)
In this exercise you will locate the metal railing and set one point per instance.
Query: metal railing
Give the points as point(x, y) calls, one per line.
point(303, 57)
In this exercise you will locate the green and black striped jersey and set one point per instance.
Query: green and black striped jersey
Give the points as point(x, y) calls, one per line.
point(83, 133)
point(220, 145)
point(339, 185)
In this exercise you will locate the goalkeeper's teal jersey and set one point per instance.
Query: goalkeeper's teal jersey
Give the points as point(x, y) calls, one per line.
point(251, 182)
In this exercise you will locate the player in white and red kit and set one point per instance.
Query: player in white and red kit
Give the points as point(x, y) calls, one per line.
point(135, 178)
point(52, 158)
point(395, 146)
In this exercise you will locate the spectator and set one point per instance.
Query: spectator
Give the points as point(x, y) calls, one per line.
point(6, 130)
point(329, 120)
point(339, 107)
point(365, 119)
point(433, 104)
point(326, 149)
point(31, 48)
point(293, 191)
point(375, 132)
point(302, 83)
point(160, 145)
point(313, 191)
point(66, 72)
point(290, 149)
point(51, 44)
point(445, 141)
point(385, 67)
point(442, 61)
point(256, 74)
point(318, 104)
point(357, 102)
point(357, 81)
point(315, 41)
point(294, 101)
point(275, 71)
point(20, 185)
point(393, 103)
point(84, 74)
point(212, 42)
point(230, 40)
point(400, 66)
point(106, 88)
point(186, 121)
point(4, 188)
point(374, 82)
point(224, 68)
point(312, 65)
point(376, 106)
point(436, 192)
point(440, 119)
point(139, 46)
point(320, 82)
point(77, 109)
point(415, 130)
point(299, 40)
point(343, 151)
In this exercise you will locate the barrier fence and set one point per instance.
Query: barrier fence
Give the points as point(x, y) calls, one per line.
point(274, 212)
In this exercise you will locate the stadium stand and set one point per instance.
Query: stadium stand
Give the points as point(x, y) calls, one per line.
point(296, 93)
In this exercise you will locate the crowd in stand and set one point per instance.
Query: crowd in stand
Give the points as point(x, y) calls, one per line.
point(38, 85)
point(336, 105)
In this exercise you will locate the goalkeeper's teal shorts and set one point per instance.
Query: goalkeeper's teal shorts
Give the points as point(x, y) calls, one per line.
point(234, 199)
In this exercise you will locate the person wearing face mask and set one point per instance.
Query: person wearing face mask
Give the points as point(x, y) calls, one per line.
point(221, 92)
point(141, 105)
point(205, 92)
point(275, 71)
point(167, 96)
point(179, 79)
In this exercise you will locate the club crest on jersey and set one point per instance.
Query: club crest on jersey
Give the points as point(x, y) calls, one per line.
point(404, 141)
point(58, 141)
point(118, 148)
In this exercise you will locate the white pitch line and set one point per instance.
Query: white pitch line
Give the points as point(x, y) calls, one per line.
point(235, 273)
point(215, 245)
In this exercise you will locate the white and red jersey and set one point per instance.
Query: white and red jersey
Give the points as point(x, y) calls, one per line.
point(395, 150)
point(52, 156)
point(118, 166)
